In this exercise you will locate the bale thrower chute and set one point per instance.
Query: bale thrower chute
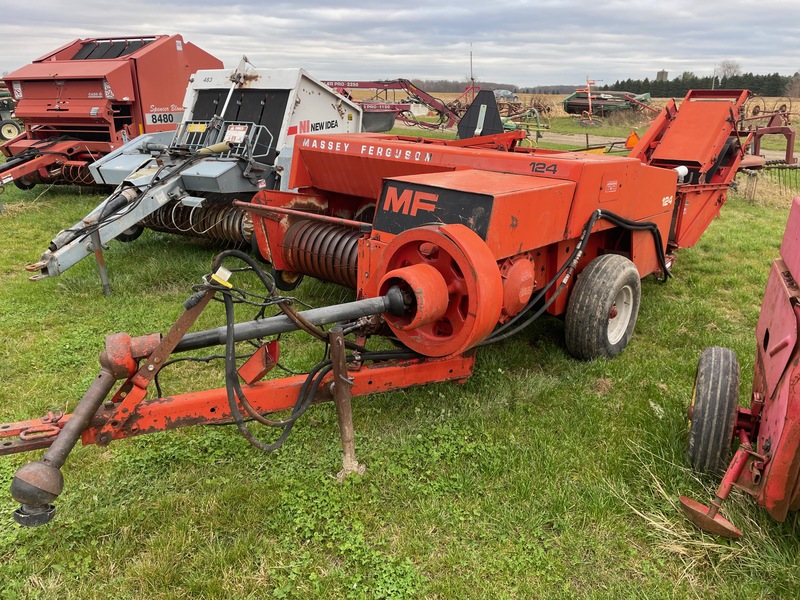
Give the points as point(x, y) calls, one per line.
point(450, 246)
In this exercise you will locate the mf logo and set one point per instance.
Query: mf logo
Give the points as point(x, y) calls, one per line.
point(409, 202)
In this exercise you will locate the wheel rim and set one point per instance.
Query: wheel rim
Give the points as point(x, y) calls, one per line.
point(472, 282)
point(620, 314)
point(9, 131)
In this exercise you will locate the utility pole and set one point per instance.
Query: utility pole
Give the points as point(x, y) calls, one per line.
point(471, 74)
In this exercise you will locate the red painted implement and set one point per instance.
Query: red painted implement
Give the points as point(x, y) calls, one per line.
point(83, 100)
point(450, 246)
point(766, 464)
point(380, 111)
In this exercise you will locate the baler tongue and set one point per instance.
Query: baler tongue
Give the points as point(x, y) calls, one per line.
point(708, 519)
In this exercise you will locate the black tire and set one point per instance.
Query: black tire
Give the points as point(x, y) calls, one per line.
point(715, 401)
point(9, 129)
point(130, 234)
point(602, 309)
point(286, 281)
point(24, 183)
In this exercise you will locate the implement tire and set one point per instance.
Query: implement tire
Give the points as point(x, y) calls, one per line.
point(9, 129)
point(715, 402)
point(131, 233)
point(602, 309)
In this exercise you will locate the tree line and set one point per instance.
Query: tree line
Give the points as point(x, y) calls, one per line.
point(728, 76)
point(762, 85)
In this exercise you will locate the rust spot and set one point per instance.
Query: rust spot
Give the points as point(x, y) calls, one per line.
point(789, 280)
point(248, 78)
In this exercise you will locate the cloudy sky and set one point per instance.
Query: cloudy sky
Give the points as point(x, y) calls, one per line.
point(525, 43)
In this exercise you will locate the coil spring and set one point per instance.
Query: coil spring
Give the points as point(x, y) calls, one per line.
point(327, 252)
point(217, 221)
point(77, 172)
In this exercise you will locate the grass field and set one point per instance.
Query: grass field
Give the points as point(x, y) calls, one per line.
point(540, 477)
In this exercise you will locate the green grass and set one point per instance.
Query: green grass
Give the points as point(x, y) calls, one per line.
point(541, 477)
point(425, 133)
point(616, 125)
point(778, 142)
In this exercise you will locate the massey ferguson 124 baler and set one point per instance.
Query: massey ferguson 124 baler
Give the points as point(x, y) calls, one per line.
point(450, 246)
point(85, 99)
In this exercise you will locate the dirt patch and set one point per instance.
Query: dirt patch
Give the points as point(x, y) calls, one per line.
point(603, 385)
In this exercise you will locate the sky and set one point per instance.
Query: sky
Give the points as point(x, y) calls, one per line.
point(524, 43)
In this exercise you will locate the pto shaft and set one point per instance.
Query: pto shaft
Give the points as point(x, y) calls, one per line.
point(392, 302)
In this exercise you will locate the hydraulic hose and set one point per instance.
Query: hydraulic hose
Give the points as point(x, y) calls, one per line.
point(502, 332)
point(235, 393)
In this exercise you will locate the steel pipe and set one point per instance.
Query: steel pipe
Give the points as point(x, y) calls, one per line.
point(392, 302)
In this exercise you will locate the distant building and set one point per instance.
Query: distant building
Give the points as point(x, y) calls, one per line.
point(662, 76)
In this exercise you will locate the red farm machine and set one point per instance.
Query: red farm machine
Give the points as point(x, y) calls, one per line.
point(450, 246)
point(85, 99)
point(381, 110)
point(766, 463)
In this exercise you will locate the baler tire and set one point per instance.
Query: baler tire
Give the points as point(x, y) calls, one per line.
point(715, 402)
point(595, 326)
point(24, 183)
point(130, 234)
point(283, 284)
point(9, 129)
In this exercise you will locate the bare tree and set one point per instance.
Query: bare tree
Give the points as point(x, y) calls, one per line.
point(793, 87)
point(728, 68)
